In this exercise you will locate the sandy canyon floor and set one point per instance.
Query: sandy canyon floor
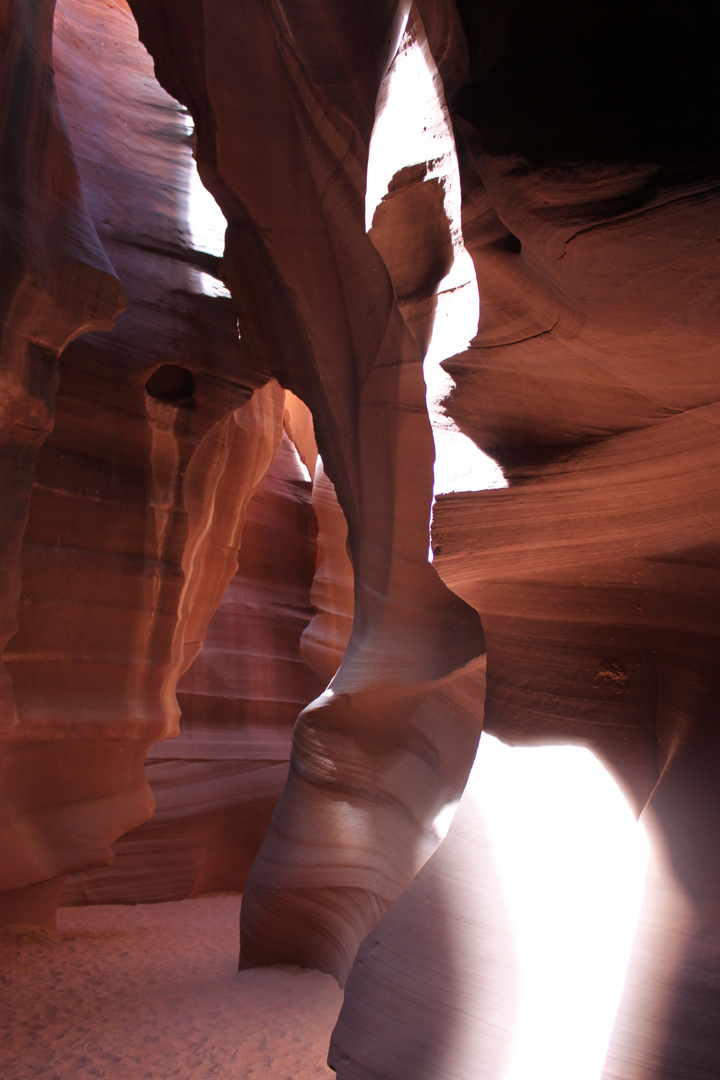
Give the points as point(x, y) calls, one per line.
point(152, 993)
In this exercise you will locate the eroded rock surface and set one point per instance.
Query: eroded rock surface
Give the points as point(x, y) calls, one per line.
point(590, 208)
point(140, 492)
point(57, 282)
point(317, 308)
point(216, 783)
point(593, 380)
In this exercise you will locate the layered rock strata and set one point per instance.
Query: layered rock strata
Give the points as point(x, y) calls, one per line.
point(140, 492)
point(593, 380)
point(56, 283)
point(326, 637)
point(216, 783)
point(590, 208)
point(505, 956)
point(433, 992)
point(317, 308)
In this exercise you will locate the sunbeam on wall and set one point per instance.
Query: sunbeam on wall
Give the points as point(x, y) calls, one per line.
point(571, 863)
point(570, 857)
point(206, 225)
point(413, 127)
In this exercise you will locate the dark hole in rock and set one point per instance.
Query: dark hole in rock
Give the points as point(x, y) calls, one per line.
point(171, 383)
point(509, 243)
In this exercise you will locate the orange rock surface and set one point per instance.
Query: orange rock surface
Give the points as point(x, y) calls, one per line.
point(216, 783)
point(590, 209)
point(140, 491)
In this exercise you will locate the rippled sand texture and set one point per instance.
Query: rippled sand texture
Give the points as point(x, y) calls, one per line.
point(152, 993)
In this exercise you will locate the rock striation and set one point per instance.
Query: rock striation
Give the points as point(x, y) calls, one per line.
point(140, 491)
point(216, 783)
point(590, 208)
point(593, 380)
point(317, 309)
point(326, 637)
point(56, 284)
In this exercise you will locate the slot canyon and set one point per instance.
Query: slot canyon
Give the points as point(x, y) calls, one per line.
point(360, 393)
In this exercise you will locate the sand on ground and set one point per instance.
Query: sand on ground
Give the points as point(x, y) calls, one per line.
point(151, 992)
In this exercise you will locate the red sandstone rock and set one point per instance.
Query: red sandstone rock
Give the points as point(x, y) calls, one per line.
point(593, 380)
point(216, 783)
point(316, 305)
point(325, 639)
point(139, 498)
point(591, 211)
point(56, 281)
point(505, 956)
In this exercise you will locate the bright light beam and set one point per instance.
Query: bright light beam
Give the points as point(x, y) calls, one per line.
point(413, 126)
point(204, 227)
point(570, 857)
point(571, 861)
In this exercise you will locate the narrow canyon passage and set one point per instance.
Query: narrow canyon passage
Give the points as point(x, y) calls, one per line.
point(522, 956)
point(263, 587)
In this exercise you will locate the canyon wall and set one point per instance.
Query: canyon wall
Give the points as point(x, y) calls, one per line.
point(593, 379)
point(138, 496)
point(57, 283)
point(131, 457)
point(317, 309)
point(590, 207)
point(216, 783)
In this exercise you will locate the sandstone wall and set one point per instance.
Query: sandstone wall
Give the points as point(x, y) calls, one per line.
point(216, 783)
point(590, 206)
point(590, 209)
point(140, 492)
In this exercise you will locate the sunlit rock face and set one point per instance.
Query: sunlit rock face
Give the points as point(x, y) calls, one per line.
point(590, 207)
point(591, 210)
point(325, 639)
point(140, 492)
point(589, 187)
point(507, 956)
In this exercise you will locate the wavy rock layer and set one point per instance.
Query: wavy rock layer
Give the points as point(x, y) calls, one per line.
point(216, 783)
point(326, 637)
point(504, 956)
point(139, 497)
point(317, 309)
point(433, 991)
point(593, 379)
point(591, 210)
point(56, 280)
point(56, 283)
